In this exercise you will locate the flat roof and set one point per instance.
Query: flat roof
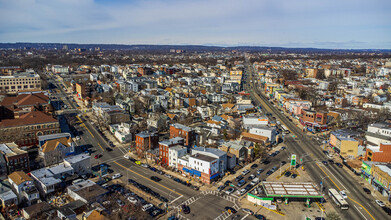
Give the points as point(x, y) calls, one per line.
point(298, 190)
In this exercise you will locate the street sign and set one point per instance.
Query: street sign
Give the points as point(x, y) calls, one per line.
point(293, 160)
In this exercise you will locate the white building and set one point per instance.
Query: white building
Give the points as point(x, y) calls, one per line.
point(174, 153)
point(121, 132)
point(270, 132)
point(254, 121)
point(81, 163)
point(45, 181)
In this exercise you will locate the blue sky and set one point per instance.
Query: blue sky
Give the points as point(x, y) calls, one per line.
point(298, 23)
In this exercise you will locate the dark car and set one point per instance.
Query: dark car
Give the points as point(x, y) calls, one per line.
point(98, 156)
point(287, 174)
point(185, 209)
point(155, 178)
point(258, 216)
point(331, 161)
point(238, 178)
point(153, 169)
point(108, 149)
point(325, 163)
point(339, 165)
point(254, 166)
point(387, 210)
point(367, 191)
point(294, 176)
point(227, 183)
point(241, 183)
point(230, 209)
point(266, 162)
point(269, 173)
point(319, 218)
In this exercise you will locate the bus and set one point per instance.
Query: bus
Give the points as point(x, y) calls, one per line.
point(285, 129)
point(337, 198)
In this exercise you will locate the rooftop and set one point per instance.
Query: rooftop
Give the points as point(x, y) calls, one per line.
point(11, 149)
point(298, 190)
point(182, 127)
point(203, 157)
point(31, 118)
point(386, 168)
point(76, 158)
point(18, 177)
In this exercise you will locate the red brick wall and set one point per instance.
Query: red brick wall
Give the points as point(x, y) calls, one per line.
point(163, 154)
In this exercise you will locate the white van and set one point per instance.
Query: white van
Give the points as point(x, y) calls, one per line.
point(147, 207)
point(255, 181)
point(116, 176)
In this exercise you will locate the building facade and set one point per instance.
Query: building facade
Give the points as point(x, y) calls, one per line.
point(20, 82)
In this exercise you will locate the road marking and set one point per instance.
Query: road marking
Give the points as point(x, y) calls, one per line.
point(348, 197)
point(362, 207)
point(335, 179)
point(82, 123)
point(360, 212)
point(320, 206)
point(112, 159)
point(244, 217)
point(176, 199)
point(146, 178)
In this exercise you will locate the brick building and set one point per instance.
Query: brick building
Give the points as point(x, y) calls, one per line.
point(144, 71)
point(164, 148)
point(145, 141)
point(26, 129)
point(187, 133)
point(380, 153)
point(16, 159)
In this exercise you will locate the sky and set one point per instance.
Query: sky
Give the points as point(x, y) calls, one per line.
point(334, 24)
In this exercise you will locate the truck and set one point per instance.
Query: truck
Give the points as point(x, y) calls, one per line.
point(285, 129)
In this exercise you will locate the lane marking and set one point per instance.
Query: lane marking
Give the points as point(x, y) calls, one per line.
point(176, 199)
point(146, 178)
point(328, 176)
point(360, 213)
point(336, 179)
point(84, 125)
point(361, 207)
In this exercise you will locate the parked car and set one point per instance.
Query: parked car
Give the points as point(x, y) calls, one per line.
point(259, 171)
point(339, 165)
point(325, 163)
point(387, 210)
point(147, 207)
point(251, 177)
point(116, 176)
point(97, 156)
point(367, 191)
point(258, 216)
point(220, 188)
point(126, 156)
point(248, 211)
point(241, 183)
point(331, 161)
point(266, 162)
point(185, 209)
point(294, 176)
point(226, 183)
point(287, 174)
point(132, 200)
point(245, 172)
point(109, 149)
point(283, 148)
point(230, 191)
point(268, 173)
point(380, 203)
point(155, 178)
point(145, 165)
point(254, 166)
point(238, 178)
point(168, 175)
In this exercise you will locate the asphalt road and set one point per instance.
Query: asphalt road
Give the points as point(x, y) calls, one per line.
point(362, 206)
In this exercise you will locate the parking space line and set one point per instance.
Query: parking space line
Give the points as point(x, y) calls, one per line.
point(146, 178)
point(320, 206)
point(244, 217)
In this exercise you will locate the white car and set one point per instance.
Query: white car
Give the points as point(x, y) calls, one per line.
point(147, 207)
point(126, 156)
point(380, 203)
point(132, 200)
point(116, 176)
point(145, 165)
point(77, 137)
point(343, 194)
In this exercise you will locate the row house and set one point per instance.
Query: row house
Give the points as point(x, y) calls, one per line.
point(15, 158)
point(24, 187)
point(164, 148)
point(146, 141)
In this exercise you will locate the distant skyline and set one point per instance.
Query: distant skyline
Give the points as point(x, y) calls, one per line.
point(333, 24)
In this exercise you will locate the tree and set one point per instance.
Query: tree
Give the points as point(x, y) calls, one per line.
point(320, 74)
point(332, 216)
point(289, 74)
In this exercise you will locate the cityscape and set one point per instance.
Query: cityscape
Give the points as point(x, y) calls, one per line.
point(102, 118)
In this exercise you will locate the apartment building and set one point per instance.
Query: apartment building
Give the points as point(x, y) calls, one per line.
point(16, 159)
point(20, 82)
point(187, 133)
point(145, 141)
